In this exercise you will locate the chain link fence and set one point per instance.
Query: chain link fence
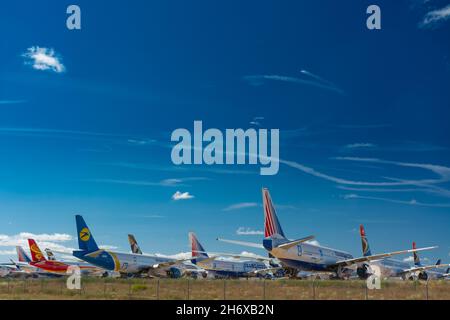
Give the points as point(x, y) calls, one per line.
point(254, 289)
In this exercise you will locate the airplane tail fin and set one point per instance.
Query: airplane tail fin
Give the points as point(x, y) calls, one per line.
point(272, 227)
point(198, 252)
point(36, 253)
point(365, 243)
point(416, 255)
point(86, 241)
point(438, 262)
point(134, 245)
point(448, 270)
point(22, 255)
point(50, 255)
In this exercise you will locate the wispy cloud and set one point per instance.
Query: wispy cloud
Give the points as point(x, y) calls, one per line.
point(243, 231)
point(412, 202)
point(241, 205)
point(435, 17)
point(141, 142)
point(172, 182)
point(442, 172)
point(360, 145)
point(181, 196)
point(258, 80)
point(364, 126)
point(12, 101)
point(43, 59)
point(257, 121)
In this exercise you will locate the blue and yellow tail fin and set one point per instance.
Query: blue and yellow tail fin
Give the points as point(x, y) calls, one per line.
point(365, 243)
point(86, 241)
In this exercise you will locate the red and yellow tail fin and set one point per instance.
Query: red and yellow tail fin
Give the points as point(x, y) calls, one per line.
point(36, 253)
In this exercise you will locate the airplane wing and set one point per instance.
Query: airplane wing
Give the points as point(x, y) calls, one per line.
point(294, 242)
point(423, 268)
point(266, 270)
point(380, 256)
point(243, 243)
point(170, 263)
point(235, 255)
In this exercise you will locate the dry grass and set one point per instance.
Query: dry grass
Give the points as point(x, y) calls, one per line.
point(222, 289)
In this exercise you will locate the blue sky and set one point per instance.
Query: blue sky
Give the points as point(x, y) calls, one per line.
point(91, 133)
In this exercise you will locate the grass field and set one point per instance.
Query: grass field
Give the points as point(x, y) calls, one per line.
point(93, 288)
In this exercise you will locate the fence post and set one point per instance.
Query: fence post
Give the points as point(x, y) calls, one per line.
point(314, 288)
point(129, 287)
point(264, 289)
point(367, 291)
point(224, 289)
point(188, 288)
point(157, 290)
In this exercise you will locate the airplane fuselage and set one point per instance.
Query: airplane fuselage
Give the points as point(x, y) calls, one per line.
point(306, 256)
point(232, 268)
point(121, 262)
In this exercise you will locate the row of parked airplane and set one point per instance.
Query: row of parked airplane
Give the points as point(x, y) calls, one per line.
point(292, 258)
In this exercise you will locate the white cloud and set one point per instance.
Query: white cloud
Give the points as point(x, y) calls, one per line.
point(435, 17)
point(314, 242)
point(408, 259)
point(181, 196)
point(7, 252)
point(360, 145)
point(258, 80)
point(241, 205)
point(242, 231)
point(44, 240)
point(108, 247)
point(176, 256)
point(43, 59)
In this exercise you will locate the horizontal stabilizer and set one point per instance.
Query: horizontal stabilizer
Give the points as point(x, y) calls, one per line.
point(293, 243)
point(428, 267)
point(238, 256)
point(243, 243)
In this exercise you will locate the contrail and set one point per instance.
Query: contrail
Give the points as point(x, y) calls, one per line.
point(314, 76)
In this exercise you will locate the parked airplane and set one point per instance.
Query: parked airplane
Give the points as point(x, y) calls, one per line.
point(223, 265)
point(438, 272)
point(298, 255)
point(25, 269)
point(186, 268)
point(388, 267)
point(38, 260)
point(125, 263)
